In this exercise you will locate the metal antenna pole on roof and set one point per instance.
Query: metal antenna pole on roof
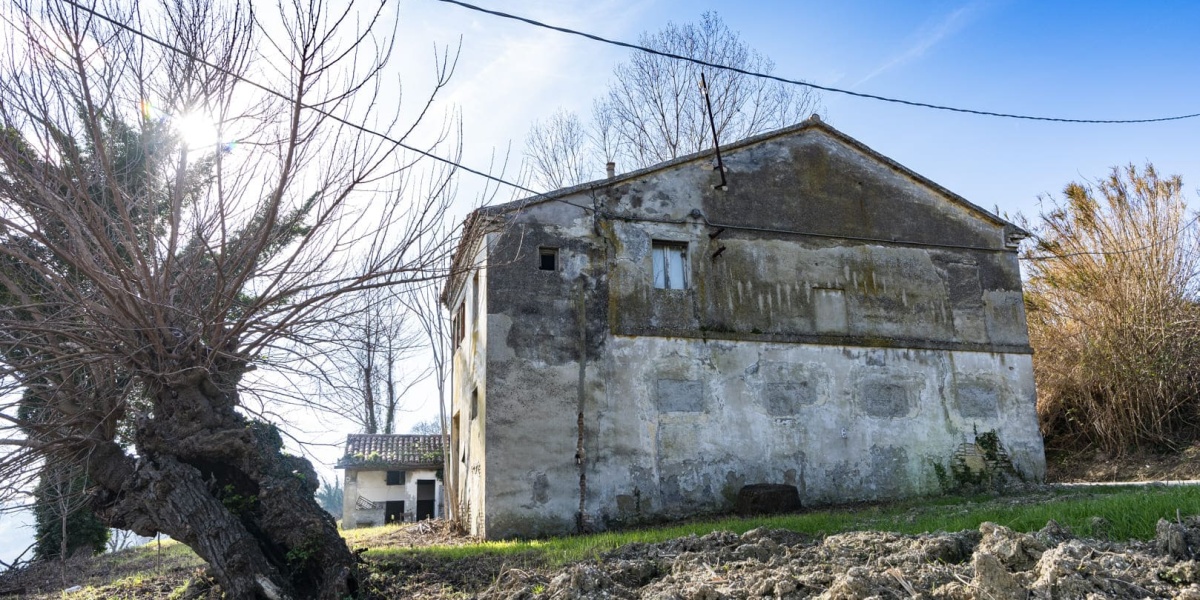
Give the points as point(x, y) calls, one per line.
point(713, 122)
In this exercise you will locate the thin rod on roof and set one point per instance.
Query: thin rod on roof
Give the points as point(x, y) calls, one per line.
point(713, 122)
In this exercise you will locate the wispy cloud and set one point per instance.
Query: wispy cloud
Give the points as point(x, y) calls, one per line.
point(929, 36)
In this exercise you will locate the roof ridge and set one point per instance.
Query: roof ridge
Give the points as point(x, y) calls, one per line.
point(813, 122)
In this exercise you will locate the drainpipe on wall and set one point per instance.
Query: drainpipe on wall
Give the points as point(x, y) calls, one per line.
point(581, 391)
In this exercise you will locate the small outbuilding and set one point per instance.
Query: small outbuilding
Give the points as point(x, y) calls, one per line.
point(391, 479)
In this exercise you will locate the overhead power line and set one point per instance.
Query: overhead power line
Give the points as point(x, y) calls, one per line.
point(824, 88)
point(386, 137)
point(1158, 242)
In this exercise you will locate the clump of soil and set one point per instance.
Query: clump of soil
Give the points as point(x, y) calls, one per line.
point(1080, 466)
point(992, 563)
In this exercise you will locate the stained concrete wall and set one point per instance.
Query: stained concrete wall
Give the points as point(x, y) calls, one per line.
point(687, 423)
point(469, 394)
point(848, 326)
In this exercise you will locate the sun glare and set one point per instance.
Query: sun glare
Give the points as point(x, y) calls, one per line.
point(197, 130)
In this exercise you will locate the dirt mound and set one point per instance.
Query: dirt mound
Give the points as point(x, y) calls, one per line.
point(992, 563)
point(1064, 466)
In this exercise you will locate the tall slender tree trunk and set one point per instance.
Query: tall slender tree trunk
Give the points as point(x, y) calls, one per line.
point(63, 511)
point(392, 401)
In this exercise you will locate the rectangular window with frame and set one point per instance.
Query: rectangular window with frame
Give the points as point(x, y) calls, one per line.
point(395, 477)
point(670, 265)
point(474, 403)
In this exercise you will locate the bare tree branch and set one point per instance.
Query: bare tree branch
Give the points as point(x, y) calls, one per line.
point(145, 271)
point(653, 110)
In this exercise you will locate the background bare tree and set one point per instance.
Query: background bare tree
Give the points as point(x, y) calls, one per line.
point(653, 110)
point(145, 274)
point(369, 374)
point(426, 427)
point(559, 151)
point(64, 522)
point(120, 539)
point(425, 306)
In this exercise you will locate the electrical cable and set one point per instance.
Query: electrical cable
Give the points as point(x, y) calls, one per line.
point(1178, 232)
point(364, 129)
point(318, 110)
point(815, 86)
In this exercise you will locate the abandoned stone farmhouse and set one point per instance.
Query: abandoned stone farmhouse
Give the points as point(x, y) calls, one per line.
point(644, 346)
point(391, 479)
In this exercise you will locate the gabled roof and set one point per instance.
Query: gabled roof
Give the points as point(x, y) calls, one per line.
point(479, 221)
point(391, 450)
point(813, 123)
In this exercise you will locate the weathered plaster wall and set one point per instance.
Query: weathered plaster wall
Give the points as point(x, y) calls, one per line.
point(546, 336)
point(469, 396)
point(686, 423)
point(372, 485)
point(901, 274)
point(846, 328)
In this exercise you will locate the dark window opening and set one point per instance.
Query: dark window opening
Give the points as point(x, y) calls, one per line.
point(670, 265)
point(395, 477)
point(474, 403)
point(460, 325)
point(549, 259)
point(426, 495)
point(393, 511)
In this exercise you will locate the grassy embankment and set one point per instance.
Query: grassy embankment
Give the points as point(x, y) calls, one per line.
point(1131, 513)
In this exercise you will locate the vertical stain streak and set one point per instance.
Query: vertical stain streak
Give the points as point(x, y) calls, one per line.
point(581, 308)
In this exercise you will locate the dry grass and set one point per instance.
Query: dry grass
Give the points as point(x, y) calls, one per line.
point(133, 573)
point(1113, 314)
point(407, 535)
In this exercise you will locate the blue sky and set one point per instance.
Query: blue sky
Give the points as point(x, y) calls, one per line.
point(1081, 60)
point(1072, 59)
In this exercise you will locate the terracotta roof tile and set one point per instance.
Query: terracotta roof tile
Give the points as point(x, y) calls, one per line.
point(392, 450)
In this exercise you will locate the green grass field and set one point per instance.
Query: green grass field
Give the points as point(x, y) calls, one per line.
point(1131, 513)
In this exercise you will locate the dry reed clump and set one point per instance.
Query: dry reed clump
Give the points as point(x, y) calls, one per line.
point(1113, 314)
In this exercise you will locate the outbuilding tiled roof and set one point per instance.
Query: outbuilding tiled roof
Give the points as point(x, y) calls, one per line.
point(387, 450)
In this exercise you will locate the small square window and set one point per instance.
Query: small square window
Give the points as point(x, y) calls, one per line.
point(670, 265)
point(548, 258)
point(395, 477)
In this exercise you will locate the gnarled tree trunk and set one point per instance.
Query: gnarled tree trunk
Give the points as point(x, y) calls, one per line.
point(220, 483)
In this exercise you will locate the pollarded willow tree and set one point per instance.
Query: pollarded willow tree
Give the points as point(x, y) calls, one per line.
point(144, 273)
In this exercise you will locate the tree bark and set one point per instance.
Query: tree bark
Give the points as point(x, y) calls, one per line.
point(220, 483)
